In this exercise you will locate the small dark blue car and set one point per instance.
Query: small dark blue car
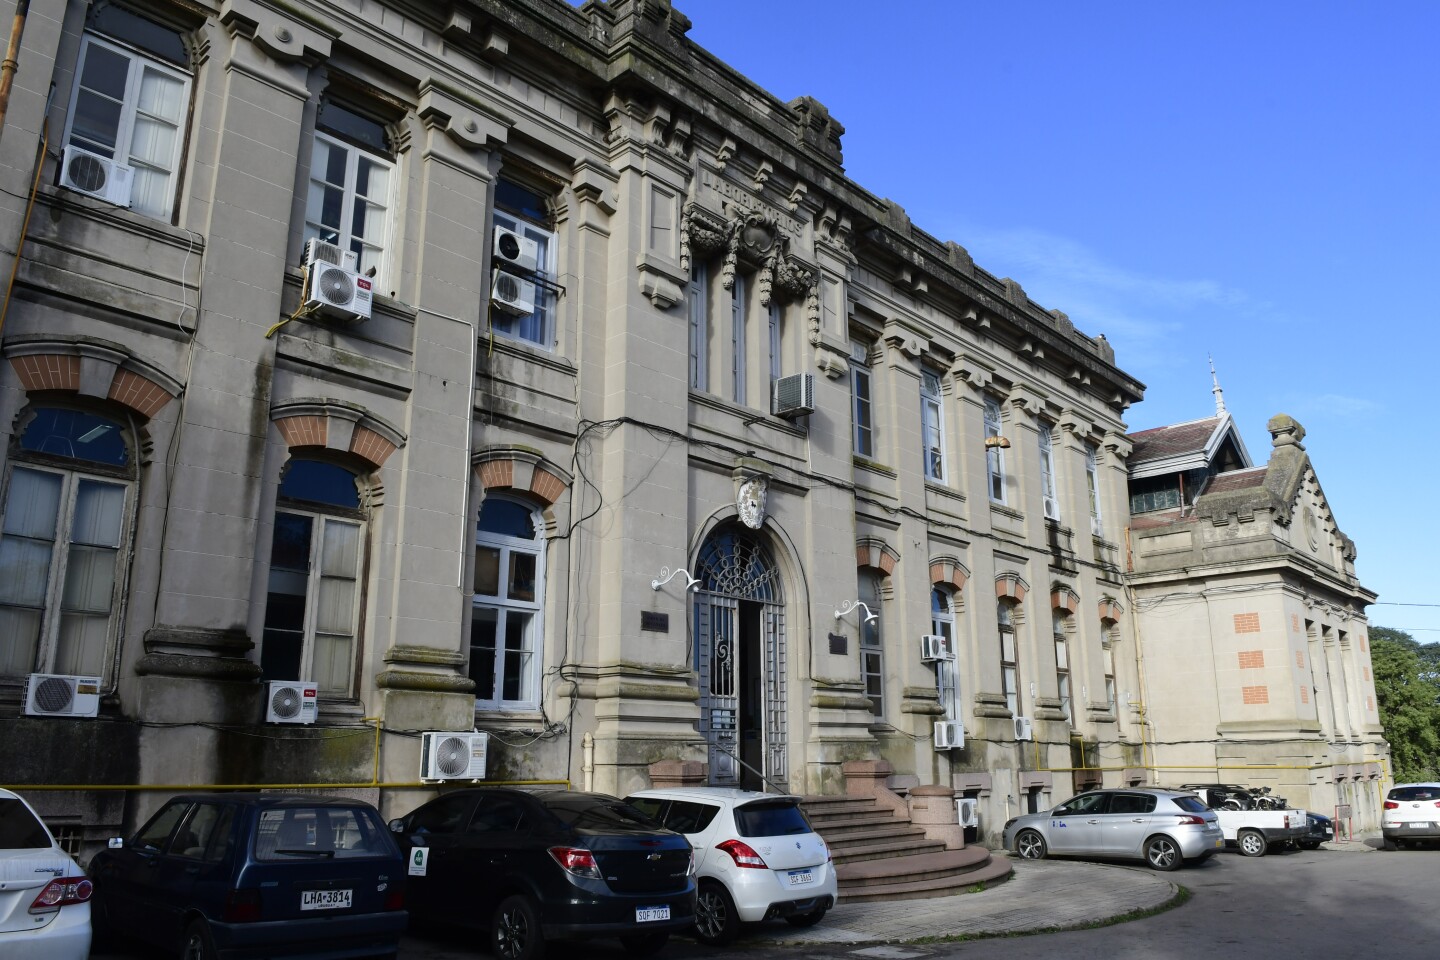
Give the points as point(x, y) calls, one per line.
point(234, 876)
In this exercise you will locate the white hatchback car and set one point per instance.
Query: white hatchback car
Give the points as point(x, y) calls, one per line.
point(1412, 814)
point(756, 856)
point(44, 895)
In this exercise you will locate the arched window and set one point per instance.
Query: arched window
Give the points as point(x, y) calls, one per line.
point(872, 639)
point(64, 543)
point(312, 610)
point(947, 672)
point(505, 626)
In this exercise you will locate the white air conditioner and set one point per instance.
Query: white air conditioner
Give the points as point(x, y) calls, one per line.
point(335, 289)
point(318, 251)
point(516, 251)
point(1052, 508)
point(290, 701)
point(1024, 730)
point(949, 734)
point(935, 647)
point(453, 756)
point(56, 695)
point(97, 176)
point(513, 295)
point(793, 396)
point(967, 811)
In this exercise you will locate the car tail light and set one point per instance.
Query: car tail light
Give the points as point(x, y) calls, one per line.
point(395, 899)
point(826, 847)
point(1391, 805)
point(743, 854)
point(1191, 821)
point(577, 861)
point(241, 906)
point(62, 892)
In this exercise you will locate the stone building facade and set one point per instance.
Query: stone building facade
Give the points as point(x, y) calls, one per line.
point(662, 439)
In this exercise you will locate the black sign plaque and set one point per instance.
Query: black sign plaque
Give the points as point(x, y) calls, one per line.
point(654, 622)
point(839, 644)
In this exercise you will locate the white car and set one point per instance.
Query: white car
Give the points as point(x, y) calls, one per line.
point(44, 895)
point(1412, 814)
point(756, 856)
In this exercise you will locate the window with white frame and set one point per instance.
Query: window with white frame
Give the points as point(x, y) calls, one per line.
point(1092, 484)
point(526, 212)
point(872, 638)
point(505, 624)
point(64, 543)
point(932, 426)
point(699, 327)
point(131, 96)
point(1009, 661)
point(1047, 472)
point(994, 455)
point(317, 552)
point(1062, 664)
point(777, 366)
point(352, 178)
point(947, 672)
point(861, 400)
point(1109, 656)
point(739, 379)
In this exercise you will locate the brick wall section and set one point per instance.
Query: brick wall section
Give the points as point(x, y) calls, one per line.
point(1064, 600)
point(1295, 622)
point(944, 572)
point(1299, 659)
point(1254, 695)
point(1304, 693)
point(1369, 704)
point(1010, 586)
point(546, 485)
point(370, 445)
point(304, 431)
point(1252, 659)
point(1367, 674)
point(1247, 623)
point(140, 394)
point(49, 371)
point(497, 473)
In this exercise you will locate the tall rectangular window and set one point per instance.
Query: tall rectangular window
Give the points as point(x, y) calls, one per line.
point(1009, 662)
point(994, 454)
point(777, 368)
point(699, 328)
point(1092, 484)
point(872, 649)
point(932, 426)
point(861, 401)
point(525, 213)
point(505, 628)
point(1047, 472)
point(1062, 668)
point(1110, 677)
point(737, 340)
point(351, 176)
point(947, 673)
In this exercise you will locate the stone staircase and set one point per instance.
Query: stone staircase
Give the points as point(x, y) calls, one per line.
point(881, 855)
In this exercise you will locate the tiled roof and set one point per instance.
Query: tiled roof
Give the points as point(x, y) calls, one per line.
point(1182, 438)
point(1236, 480)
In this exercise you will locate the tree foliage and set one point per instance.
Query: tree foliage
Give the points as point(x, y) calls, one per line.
point(1407, 691)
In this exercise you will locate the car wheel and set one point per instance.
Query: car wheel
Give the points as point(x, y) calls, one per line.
point(198, 945)
point(515, 931)
point(1163, 853)
point(716, 921)
point(806, 919)
point(1252, 843)
point(1030, 845)
point(645, 944)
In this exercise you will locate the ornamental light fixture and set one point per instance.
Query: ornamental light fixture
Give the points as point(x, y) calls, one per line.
point(666, 575)
point(853, 604)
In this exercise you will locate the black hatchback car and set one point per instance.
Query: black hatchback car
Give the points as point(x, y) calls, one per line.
point(255, 875)
point(550, 864)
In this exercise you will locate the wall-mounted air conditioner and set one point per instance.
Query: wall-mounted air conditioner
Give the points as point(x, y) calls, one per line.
point(291, 701)
point(97, 176)
point(935, 647)
point(57, 695)
point(515, 251)
point(453, 756)
point(513, 295)
point(793, 396)
point(1024, 730)
point(967, 811)
point(332, 286)
point(949, 734)
point(1052, 508)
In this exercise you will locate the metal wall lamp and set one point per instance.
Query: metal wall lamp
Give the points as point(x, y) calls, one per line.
point(666, 575)
point(853, 604)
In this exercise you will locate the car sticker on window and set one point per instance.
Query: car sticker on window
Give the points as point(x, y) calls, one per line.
point(419, 861)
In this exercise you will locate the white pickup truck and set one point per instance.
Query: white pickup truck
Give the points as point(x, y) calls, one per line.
point(1253, 831)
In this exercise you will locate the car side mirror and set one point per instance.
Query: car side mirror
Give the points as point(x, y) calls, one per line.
point(397, 825)
point(115, 843)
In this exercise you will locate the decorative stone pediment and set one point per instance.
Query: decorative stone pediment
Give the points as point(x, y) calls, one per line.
point(754, 237)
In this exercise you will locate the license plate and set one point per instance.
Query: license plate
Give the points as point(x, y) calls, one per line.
point(646, 914)
point(324, 899)
point(798, 877)
point(1420, 825)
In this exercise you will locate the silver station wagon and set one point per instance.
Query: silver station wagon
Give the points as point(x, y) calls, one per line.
point(1163, 827)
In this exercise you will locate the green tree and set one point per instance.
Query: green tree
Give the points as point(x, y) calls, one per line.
point(1408, 695)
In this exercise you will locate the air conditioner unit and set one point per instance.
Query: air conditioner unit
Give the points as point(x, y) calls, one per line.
point(1052, 508)
point(935, 647)
point(453, 756)
point(338, 292)
point(290, 701)
point(949, 734)
point(967, 811)
point(56, 695)
point(513, 295)
point(516, 251)
point(793, 396)
point(1024, 730)
point(97, 176)
point(319, 251)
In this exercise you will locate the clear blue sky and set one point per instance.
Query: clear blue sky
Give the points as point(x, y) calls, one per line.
point(1255, 181)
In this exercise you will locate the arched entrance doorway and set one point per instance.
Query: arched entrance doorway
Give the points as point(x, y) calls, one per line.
point(740, 654)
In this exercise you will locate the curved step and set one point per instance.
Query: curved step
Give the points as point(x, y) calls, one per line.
point(993, 870)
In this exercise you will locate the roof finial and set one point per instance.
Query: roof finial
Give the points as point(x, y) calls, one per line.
point(1219, 394)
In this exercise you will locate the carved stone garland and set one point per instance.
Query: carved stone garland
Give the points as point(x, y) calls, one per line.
point(757, 238)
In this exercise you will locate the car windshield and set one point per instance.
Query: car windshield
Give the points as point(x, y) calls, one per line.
point(770, 818)
point(342, 833)
point(19, 829)
point(598, 813)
